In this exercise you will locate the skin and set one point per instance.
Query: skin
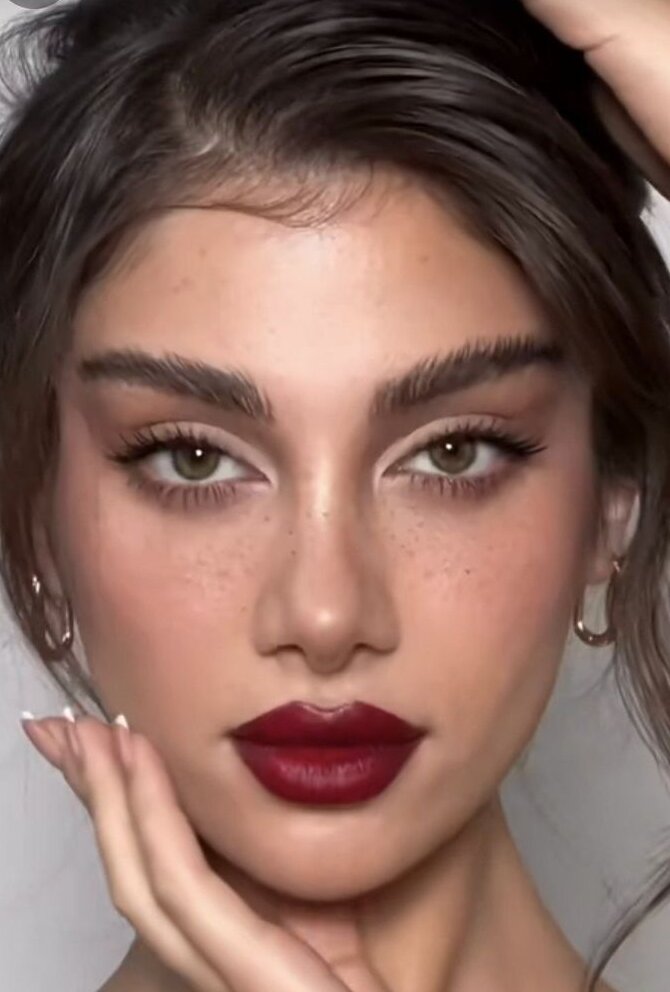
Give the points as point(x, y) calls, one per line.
point(328, 577)
point(626, 42)
point(324, 568)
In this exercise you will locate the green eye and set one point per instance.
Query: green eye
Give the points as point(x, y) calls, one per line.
point(195, 464)
point(454, 455)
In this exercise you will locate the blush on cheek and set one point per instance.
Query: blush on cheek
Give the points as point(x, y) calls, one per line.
point(154, 612)
point(527, 625)
point(497, 614)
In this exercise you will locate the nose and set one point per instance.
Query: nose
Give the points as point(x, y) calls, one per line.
point(327, 598)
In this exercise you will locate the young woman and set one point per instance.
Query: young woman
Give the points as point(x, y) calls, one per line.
point(333, 371)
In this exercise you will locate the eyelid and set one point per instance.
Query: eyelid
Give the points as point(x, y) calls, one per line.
point(171, 433)
point(230, 445)
point(428, 433)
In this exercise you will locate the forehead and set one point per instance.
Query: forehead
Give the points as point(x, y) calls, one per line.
point(393, 275)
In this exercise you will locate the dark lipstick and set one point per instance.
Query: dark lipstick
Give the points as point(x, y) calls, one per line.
point(307, 754)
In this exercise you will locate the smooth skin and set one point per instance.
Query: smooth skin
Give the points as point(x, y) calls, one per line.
point(328, 577)
point(203, 923)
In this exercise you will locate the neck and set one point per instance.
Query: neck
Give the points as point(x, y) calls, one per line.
point(468, 918)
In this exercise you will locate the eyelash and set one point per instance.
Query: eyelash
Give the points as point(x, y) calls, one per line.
point(144, 443)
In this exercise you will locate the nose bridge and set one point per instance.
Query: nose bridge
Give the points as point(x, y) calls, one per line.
point(328, 592)
point(333, 537)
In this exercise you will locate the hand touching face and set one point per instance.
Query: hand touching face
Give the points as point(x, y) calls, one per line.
point(160, 881)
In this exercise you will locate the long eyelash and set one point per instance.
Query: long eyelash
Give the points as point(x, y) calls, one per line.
point(512, 444)
point(146, 442)
point(143, 443)
point(517, 447)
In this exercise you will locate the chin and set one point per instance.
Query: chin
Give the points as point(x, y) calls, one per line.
point(331, 877)
point(328, 886)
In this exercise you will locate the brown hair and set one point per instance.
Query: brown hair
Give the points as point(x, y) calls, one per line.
point(117, 110)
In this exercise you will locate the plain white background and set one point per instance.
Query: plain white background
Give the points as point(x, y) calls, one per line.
point(589, 809)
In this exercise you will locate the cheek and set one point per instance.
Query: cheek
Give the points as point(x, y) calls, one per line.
point(484, 590)
point(487, 599)
point(160, 620)
point(150, 588)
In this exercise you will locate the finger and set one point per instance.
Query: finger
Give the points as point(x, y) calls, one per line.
point(337, 938)
point(582, 24)
point(631, 139)
point(629, 52)
point(626, 44)
point(357, 975)
point(44, 739)
point(49, 737)
point(250, 954)
point(101, 783)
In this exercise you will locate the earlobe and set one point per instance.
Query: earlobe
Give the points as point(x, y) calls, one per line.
point(618, 524)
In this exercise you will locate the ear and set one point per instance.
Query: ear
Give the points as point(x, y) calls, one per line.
point(619, 513)
point(46, 559)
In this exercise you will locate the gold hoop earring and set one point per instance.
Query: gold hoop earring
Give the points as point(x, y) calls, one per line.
point(67, 637)
point(608, 636)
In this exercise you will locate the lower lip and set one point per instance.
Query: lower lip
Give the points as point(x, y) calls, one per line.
point(325, 775)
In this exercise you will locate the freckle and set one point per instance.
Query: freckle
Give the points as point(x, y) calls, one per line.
point(184, 283)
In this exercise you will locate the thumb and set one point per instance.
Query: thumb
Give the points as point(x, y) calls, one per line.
point(336, 936)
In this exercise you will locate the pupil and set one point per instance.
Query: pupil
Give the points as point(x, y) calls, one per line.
point(195, 463)
point(455, 455)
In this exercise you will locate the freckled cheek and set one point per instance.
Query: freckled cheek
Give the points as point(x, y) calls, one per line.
point(146, 582)
point(486, 595)
point(160, 623)
point(179, 586)
point(487, 545)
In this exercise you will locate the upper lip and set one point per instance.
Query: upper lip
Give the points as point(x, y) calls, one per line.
point(305, 723)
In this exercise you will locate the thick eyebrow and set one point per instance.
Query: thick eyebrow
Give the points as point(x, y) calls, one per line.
point(233, 391)
point(226, 389)
point(472, 365)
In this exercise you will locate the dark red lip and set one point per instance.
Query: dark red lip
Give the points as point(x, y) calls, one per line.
point(304, 723)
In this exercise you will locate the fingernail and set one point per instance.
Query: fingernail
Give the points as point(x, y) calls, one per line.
point(123, 742)
point(72, 734)
point(27, 715)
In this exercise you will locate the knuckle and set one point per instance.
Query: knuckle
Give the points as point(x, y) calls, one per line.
point(168, 889)
point(120, 899)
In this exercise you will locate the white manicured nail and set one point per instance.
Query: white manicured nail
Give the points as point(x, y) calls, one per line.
point(68, 714)
point(27, 715)
point(121, 721)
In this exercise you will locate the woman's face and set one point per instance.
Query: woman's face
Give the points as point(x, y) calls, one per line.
point(356, 557)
